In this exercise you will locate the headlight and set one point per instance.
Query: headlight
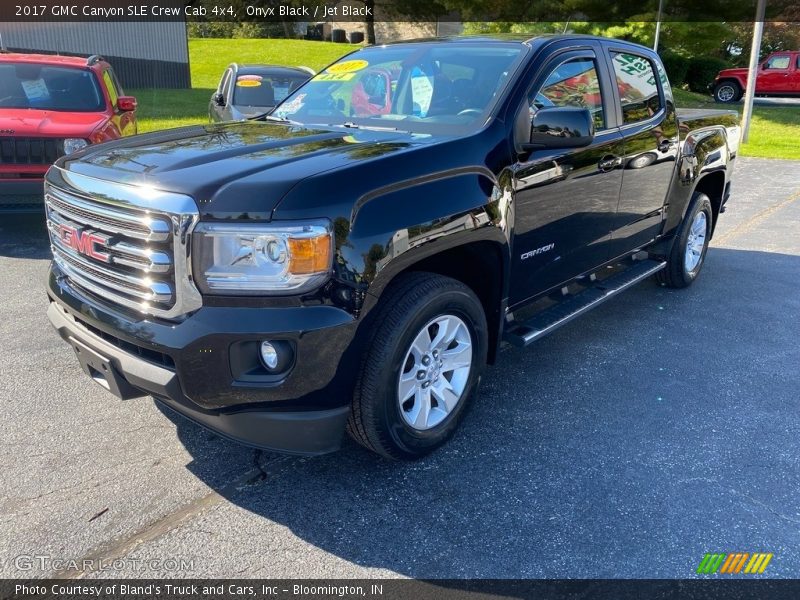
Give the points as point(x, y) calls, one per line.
point(74, 144)
point(274, 258)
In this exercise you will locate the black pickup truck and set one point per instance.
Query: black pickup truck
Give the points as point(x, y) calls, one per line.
point(354, 259)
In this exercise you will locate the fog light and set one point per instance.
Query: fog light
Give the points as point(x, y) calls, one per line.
point(269, 355)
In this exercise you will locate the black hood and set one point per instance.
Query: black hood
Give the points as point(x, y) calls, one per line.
point(233, 168)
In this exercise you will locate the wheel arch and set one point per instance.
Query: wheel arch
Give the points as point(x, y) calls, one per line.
point(480, 264)
point(712, 185)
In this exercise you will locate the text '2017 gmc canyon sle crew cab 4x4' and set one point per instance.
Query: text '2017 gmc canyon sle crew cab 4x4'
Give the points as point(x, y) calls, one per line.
point(354, 265)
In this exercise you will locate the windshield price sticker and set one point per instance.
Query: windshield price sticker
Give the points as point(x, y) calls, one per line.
point(334, 77)
point(248, 81)
point(348, 66)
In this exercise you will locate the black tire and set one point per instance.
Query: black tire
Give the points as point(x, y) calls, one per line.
point(407, 306)
point(722, 92)
point(676, 274)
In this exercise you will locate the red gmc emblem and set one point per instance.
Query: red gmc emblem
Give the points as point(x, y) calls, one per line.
point(84, 242)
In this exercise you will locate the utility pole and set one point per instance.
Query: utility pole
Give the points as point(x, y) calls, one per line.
point(658, 24)
point(755, 53)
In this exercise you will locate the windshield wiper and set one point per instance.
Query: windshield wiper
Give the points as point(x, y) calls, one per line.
point(268, 117)
point(351, 125)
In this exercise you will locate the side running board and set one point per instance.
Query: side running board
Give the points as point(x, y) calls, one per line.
point(526, 332)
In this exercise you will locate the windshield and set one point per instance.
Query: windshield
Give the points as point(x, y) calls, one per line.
point(30, 85)
point(413, 87)
point(264, 89)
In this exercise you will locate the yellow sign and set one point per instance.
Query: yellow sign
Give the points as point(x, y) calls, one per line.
point(248, 83)
point(334, 77)
point(348, 66)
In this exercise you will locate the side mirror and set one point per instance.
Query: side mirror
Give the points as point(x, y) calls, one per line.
point(127, 103)
point(219, 99)
point(561, 127)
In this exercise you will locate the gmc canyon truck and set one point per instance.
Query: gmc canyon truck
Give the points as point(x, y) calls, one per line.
point(353, 260)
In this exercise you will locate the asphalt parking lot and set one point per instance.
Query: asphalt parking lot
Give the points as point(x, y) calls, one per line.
point(662, 426)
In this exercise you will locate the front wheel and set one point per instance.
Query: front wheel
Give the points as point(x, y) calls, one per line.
point(727, 91)
point(691, 244)
point(422, 366)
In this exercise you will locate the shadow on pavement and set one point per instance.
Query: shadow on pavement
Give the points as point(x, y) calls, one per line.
point(24, 235)
point(665, 421)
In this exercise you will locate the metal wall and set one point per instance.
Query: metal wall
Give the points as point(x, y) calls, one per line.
point(144, 55)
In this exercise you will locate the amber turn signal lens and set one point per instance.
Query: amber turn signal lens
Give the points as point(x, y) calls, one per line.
point(309, 255)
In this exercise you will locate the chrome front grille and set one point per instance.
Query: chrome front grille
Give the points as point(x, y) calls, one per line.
point(124, 244)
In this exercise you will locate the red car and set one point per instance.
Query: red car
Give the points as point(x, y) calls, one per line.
point(51, 106)
point(778, 75)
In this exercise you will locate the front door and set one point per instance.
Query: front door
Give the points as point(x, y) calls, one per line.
point(774, 75)
point(566, 198)
point(650, 136)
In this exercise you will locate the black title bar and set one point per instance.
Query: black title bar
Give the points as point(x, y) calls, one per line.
point(403, 589)
point(606, 11)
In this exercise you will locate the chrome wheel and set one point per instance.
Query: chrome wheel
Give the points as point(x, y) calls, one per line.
point(435, 372)
point(696, 242)
point(726, 93)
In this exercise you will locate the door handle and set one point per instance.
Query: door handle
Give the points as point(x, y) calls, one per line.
point(609, 162)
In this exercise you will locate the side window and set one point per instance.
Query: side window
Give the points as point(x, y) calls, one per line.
point(112, 89)
point(572, 83)
point(117, 85)
point(638, 90)
point(778, 62)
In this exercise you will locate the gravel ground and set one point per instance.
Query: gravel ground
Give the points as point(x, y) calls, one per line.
point(659, 427)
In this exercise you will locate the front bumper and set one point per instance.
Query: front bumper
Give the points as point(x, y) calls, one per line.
point(186, 366)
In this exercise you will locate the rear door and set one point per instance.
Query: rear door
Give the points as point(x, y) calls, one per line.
point(649, 129)
point(566, 198)
point(774, 77)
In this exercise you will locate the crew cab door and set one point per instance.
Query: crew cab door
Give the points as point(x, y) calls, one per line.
point(774, 76)
point(566, 198)
point(650, 138)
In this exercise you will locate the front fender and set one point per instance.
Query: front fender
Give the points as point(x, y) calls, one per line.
point(395, 227)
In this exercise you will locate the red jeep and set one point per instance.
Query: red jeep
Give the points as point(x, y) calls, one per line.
point(51, 106)
point(778, 75)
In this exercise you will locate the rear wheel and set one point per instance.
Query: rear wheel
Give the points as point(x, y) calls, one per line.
point(727, 91)
point(691, 244)
point(422, 367)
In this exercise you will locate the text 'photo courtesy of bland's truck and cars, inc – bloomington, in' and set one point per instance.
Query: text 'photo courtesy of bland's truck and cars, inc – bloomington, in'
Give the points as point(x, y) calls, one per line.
point(303, 293)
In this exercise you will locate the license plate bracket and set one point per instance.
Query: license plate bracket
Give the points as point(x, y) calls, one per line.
point(103, 372)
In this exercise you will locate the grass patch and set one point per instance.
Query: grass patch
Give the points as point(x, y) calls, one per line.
point(773, 131)
point(162, 109)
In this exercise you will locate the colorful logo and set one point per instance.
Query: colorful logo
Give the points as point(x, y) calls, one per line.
point(734, 563)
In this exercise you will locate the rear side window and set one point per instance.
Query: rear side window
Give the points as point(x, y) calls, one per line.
point(638, 90)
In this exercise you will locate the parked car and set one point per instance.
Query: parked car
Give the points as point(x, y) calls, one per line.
point(246, 91)
point(278, 281)
point(52, 106)
point(778, 75)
